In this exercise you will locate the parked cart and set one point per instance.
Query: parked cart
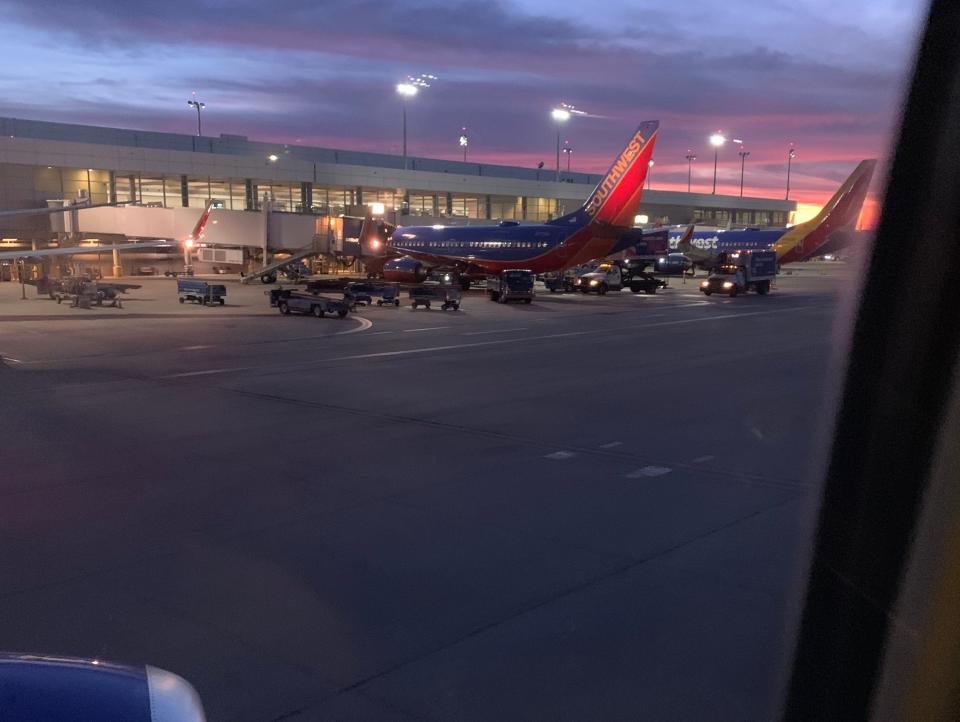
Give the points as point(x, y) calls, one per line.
point(364, 293)
point(293, 301)
point(190, 289)
point(446, 296)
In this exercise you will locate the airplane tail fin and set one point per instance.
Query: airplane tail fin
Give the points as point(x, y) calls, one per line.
point(197, 233)
point(616, 199)
point(684, 245)
point(840, 213)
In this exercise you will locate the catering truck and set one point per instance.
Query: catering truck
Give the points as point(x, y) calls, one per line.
point(615, 276)
point(741, 272)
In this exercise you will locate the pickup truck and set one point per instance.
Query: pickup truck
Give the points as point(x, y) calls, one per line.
point(610, 276)
point(511, 285)
point(291, 301)
point(742, 272)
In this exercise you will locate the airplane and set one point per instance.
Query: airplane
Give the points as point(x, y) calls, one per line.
point(834, 222)
point(593, 231)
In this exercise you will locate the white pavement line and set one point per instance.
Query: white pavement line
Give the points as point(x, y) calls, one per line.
point(477, 344)
point(560, 455)
point(195, 348)
point(649, 471)
point(380, 333)
point(11, 359)
point(499, 330)
point(611, 445)
point(365, 323)
point(427, 328)
point(703, 459)
point(208, 372)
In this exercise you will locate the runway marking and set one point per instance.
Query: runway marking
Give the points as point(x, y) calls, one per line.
point(756, 432)
point(195, 348)
point(11, 359)
point(649, 471)
point(560, 455)
point(365, 323)
point(702, 459)
point(499, 330)
point(427, 328)
point(380, 333)
point(611, 445)
point(208, 372)
point(477, 344)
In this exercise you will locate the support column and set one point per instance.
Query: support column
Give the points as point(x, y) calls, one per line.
point(111, 187)
point(306, 197)
point(449, 204)
point(488, 207)
point(117, 268)
point(131, 188)
point(523, 208)
point(435, 210)
point(250, 190)
point(184, 192)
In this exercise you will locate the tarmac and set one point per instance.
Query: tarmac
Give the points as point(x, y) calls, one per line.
point(584, 508)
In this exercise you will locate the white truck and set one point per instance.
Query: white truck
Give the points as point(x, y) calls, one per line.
point(742, 272)
point(609, 276)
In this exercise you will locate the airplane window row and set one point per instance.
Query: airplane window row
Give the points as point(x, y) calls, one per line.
point(476, 244)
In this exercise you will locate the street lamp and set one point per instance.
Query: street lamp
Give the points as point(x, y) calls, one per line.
point(743, 158)
point(690, 158)
point(408, 89)
point(569, 152)
point(194, 103)
point(716, 140)
point(791, 154)
point(463, 143)
point(560, 115)
point(649, 172)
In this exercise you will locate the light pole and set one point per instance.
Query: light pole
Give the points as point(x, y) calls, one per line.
point(568, 151)
point(406, 90)
point(649, 172)
point(690, 158)
point(560, 116)
point(791, 154)
point(716, 140)
point(463, 143)
point(194, 103)
point(743, 158)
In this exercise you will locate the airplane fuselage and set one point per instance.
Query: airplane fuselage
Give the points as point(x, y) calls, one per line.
point(539, 248)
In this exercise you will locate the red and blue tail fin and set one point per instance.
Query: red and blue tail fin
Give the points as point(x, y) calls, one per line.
point(197, 233)
point(839, 214)
point(616, 199)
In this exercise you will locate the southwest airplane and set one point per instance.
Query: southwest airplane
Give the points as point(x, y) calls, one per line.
point(837, 218)
point(595, 230)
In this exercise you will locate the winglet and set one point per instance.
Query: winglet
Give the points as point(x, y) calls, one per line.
point(197, 233)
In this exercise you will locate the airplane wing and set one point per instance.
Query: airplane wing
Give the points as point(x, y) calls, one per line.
point(71, 250)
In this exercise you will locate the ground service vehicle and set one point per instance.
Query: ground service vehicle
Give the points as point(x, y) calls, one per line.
point(447, 296)
point(614, 277)
point(292, 301)
point(189, 289)
point(511, 285)
point(742, 271)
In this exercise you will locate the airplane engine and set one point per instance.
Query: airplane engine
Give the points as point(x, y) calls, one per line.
point(404, 270)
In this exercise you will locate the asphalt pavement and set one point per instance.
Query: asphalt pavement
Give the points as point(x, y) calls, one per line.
point(584, 508)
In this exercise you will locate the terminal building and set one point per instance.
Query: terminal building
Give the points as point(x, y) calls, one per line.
point(274, 198)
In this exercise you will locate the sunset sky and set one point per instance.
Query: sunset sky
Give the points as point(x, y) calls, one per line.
point(825, 75)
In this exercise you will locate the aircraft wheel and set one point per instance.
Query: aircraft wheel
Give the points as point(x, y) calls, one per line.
point(284, 308)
